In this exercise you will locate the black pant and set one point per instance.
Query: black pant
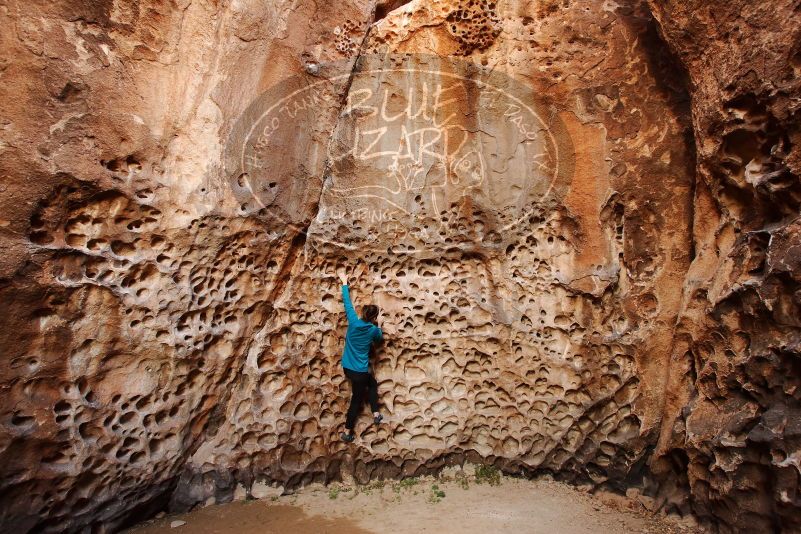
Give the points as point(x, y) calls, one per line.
point(358, 383)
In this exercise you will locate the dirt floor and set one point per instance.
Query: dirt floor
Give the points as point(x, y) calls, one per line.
point(463, 503)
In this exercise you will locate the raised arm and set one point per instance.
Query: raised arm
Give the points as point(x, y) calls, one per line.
point(349, 311)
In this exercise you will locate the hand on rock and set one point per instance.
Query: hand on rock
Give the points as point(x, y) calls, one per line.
point(343, 277)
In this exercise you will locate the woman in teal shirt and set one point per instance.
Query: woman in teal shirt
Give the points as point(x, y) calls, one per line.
point(361, 335)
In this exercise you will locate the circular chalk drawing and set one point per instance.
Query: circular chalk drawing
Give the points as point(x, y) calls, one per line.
point(400, 148)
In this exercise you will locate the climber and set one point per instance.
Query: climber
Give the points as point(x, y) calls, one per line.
point(361, 334)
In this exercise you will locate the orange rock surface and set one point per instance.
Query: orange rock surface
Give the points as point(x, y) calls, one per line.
point(579, 220)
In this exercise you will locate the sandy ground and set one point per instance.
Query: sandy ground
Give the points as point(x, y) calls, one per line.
point(458, 505)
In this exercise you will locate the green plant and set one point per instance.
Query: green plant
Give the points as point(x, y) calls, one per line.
point(368, 488)
point(462, 480)
point(489, 474)
point(436, 494)
point(333, 492)
point(405, 484)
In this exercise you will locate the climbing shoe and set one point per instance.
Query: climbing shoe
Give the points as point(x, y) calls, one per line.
point(347, 437)
point(378, 418)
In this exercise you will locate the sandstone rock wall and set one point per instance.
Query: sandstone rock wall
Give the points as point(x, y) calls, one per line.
point(528, 311)
point(132, 278)
point(730, 435)
point(563, 286)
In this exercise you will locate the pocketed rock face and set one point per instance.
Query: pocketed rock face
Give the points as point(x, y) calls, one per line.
point(528, 284)
point(731, 432)
point(132, 278)
point(518, 178)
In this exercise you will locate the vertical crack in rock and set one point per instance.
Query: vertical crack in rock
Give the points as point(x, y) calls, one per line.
point(343, 102)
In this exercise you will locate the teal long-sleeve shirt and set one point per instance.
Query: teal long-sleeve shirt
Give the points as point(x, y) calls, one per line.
point(359, 338)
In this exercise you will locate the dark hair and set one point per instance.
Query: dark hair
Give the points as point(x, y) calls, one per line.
point(370, 313)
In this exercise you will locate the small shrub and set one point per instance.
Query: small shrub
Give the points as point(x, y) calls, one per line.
point(462, 480)
point(436, 494)
point(368, 488)
point(405, 484)
point(488, 474)
point(333, 492)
